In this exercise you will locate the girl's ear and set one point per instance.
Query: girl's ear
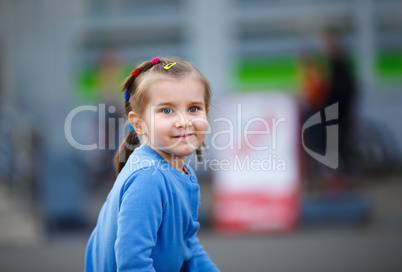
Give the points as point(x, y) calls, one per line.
point(137, 123)
point(207, 112)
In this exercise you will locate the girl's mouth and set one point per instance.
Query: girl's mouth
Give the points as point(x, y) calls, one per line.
point(184, 136)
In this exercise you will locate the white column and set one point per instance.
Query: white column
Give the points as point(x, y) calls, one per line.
point(210, 42)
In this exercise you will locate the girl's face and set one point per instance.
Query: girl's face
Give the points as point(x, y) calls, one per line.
point(174, 122)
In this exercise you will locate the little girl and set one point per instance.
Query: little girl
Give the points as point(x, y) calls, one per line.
point(149, 219)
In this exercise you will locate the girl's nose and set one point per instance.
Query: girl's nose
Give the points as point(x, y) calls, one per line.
point(183, 121)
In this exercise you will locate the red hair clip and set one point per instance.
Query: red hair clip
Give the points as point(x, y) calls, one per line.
point(136, 72)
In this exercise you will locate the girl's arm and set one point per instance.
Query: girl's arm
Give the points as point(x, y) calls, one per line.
point(200, 262)
point(139, 218)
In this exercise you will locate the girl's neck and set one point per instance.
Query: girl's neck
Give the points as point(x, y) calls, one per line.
point(176, 161)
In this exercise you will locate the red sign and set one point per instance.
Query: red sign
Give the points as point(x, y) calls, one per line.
point(255, 167)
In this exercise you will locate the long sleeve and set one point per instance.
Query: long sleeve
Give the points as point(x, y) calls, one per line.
point(200, 262)
point(139, 218)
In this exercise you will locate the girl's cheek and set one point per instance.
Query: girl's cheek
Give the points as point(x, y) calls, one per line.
point(203, 127)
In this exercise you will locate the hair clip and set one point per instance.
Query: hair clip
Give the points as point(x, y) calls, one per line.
point(130, 127)
point(126, 95)
point(155, 61)
point(169, 65)
point(136, 72)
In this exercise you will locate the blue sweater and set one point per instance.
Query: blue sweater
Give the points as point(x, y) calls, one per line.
point(149, 220)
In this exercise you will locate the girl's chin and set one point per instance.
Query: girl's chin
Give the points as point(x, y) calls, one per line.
point(183, 152)
point(178, 152)
point(178, 149)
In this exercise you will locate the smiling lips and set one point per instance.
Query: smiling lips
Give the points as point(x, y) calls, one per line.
point(184, 136)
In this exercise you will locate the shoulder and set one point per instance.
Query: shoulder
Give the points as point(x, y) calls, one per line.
point(145, 177)
point(145, 185)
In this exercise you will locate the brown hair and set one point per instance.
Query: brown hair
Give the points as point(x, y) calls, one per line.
point(137, 88)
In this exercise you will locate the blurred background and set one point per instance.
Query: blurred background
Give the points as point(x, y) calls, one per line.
point(56, 56)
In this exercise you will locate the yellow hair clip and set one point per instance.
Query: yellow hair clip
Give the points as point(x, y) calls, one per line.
point(169, 65)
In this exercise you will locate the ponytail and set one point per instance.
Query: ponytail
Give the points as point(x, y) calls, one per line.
point(125, 149)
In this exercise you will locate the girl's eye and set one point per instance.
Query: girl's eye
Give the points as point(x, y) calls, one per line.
point(193, 109)
point(167, 110)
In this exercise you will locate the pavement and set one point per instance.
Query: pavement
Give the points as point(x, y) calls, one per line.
point(18, 224)
point(330, 250)
point(376, 246)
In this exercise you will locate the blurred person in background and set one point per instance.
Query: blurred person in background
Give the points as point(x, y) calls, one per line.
point(328, 80)
point(341, 90)
point(106, 126)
